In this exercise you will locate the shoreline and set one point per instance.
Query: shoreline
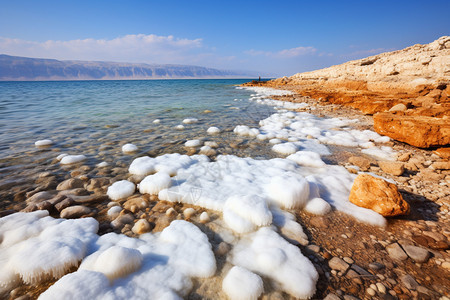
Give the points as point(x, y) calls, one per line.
point(319, 249)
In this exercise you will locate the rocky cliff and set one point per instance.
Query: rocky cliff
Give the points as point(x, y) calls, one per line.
point(407, 91)
point(23, 68)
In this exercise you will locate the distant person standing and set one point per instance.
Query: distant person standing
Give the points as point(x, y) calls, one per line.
point(259, 79)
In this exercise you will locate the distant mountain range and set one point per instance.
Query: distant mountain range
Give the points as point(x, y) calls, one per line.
point(15, 68)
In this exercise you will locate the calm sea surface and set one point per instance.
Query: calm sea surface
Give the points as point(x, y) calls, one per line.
point(96, 118)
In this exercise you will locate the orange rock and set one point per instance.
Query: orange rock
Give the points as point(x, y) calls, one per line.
point(419, 131)
point(378, 195)
point(443, 152)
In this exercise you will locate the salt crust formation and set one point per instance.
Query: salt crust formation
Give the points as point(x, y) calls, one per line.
point(253, 195)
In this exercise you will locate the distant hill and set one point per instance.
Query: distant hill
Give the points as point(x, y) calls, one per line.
point(14, 68)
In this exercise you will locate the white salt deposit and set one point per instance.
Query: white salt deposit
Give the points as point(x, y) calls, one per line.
point(241, 284)
point(211, 144)
point(266, 253)
point(102, 164)
point(129, 148)
point(383, 153)
point(204, 217)
point(245, 213)
point(156, 121)
point(190, 121)
point(179, 127)
point(168, 163)
point(121, 189)
point(114, 211)
point(213, 130)
point(307, 159)
point(246, 131)
point(285, 148)
point(189, 212)
point(153, 184)
point(193, 143)
point(59, 157)
point(43, 143)
point(72, 159)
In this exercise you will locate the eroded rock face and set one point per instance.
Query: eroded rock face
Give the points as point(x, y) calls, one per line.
point(378, 195)
point(419, 131)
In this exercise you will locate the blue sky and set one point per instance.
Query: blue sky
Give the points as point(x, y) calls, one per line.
point(277, 37)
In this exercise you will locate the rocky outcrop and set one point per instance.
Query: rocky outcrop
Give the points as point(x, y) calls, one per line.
point(419, 131)
point(378, 195)
point(411, 83)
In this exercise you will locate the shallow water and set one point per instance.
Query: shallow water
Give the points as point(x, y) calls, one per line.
point(96, 118)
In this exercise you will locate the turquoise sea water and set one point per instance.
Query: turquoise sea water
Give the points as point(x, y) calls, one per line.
point(96, 118)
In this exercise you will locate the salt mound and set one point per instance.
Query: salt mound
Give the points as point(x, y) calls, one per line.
point(307, 158)
point(179, 127)
point(153, 184)
point(156, 121)
point(213, 130)
point(288, 192)
point(245, 130)
point(114, 262)
point(120, 189)
point(285, 148)
point(193, 143)
point(43, 143)
point(190, 121)
point(245, 213)
point(268, 254)
point(129, 148)
point(59, 157)
point(72, 159)
point(241, 284)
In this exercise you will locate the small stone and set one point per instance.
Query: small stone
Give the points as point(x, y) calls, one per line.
point(434, 235)
point(326, 255)
point(417, 254)
point(204, 217)
point(189, 213)
point(398, 107)
point(348, 260)
point(140, 203)
point(409, 282)
point(171, 212)
point(446, 265)
point(313, 248)
point(441, 165)
point(121, 220)
point(361, 162)
point(396, 252)
point(338, 264)
point(393, 168)
point(70, 184)
point(379, 195)
point(141, 226)
point(354, 276)
point(332, 297)
point(381, 288)
point(363, 272)
point(222, 249)
point(76, 211)
point(371, 292)
point(376, 266)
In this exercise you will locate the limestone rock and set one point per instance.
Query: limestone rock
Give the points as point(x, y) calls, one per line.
point(379, 195)
point(417, 254)
point(419, 131)
point(441, 165)
point(391, 167)
point(139, 202)
point(76, 211)
point(398, 107)
point(338, 264)
point(70, 184)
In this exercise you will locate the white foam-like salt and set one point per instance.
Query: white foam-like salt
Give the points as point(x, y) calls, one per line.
point(285, 148)
point(61, 156)
point(241, 284)
point(43, 143)
point(213, 130)
point(129, 148)
point(179, 127)
point(156, 121)
point(72, 159)
point(121, 189)
point(102, 164)
point(153, 184)
point(307, 159)
point(190, 121)
point(114, 211)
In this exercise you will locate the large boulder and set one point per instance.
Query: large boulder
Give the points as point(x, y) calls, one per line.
point(378, 195)
point(419, 131)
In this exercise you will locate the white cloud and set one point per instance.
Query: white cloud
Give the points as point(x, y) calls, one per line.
point(129, 48)
point(286, 53)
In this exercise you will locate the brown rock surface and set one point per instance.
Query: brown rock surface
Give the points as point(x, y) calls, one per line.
point(379, 195)
point(393, 168)
point(419, 131)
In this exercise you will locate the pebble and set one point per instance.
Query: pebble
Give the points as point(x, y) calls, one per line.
point(396, 252)
point(376, 266)
point(371, 292)
point(204, 217)
point(417, 254)
point(189, 213)
point(332, 297)
point(171, 212)
point(313, 248)
point(70, 184)
point(381, 288)
point(348, 260)
point(141, 226)
point(409, 282)
point(76, 211)
point(338, 264)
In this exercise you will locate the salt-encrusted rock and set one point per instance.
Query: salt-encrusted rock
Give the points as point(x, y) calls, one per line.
point(64, 204)
point(396, 252)
point(96, 183)
point(361, 162)
point(338, 264)
point(76, 211)
point(404, 157)
point(417, 254)
point(441, 165)
point(379, 195)
point(419, 131)
point(121, 220)
point(40, 196)
point(141, 226)
point(69, 184)
point(139, 202)
point(204, 217)
point(391, 167)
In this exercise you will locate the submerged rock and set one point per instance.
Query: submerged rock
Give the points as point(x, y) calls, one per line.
point(378, 195)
